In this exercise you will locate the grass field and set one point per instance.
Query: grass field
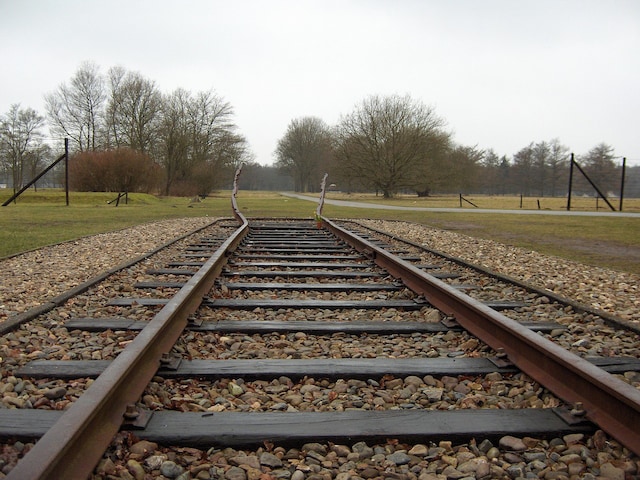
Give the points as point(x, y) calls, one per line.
point(42, 218)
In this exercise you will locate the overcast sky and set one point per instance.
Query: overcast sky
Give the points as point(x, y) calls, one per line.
point(501, 73)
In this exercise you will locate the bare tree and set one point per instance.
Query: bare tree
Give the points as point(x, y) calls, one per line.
point(304, 152)
point(523, 168)
point(463, 167)
point(209, 119)
point(217, 149)
point(384, 141)
point(75, 110)
point(133, 110)
point(540, 159)
point(440, 167)
point(174, 133)
point(115, 80)
point(20, 141)
point(557, 164)
point(35, 160)
point(599, 164)
point(230, 150)
point(490, 181)
point(196, 131)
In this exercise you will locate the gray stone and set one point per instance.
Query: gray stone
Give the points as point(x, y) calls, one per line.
point(363, 450)
point(452, 474)
point(248, 460)
point(235, 473)
point(55, 393)
point(270, 460)
point(512, 443)
point(171, 469)
point(611, 472)
point(399, 458)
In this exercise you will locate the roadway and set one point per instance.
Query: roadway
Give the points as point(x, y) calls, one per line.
point(346, 203)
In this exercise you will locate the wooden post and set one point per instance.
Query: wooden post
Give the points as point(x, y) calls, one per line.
point(624, 166)
point(66, 169)
point(570, 183)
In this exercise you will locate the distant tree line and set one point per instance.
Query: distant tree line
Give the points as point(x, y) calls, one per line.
point(126, 135)
point(395, 144)
point(121, 125)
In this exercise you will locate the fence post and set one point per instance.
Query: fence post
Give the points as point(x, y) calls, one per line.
point(624, 166)
point(66, 169)
point(23, 189)
point(570, 183)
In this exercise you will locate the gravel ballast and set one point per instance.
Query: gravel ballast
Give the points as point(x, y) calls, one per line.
point(30, 279)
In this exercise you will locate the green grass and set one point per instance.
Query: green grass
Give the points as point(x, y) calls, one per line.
point(42, 218)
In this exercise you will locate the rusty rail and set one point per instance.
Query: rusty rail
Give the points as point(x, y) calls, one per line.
point(95, 417)
point(607, 401)
point(75, 444)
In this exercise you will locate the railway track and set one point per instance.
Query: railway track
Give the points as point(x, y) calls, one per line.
point(279, 334)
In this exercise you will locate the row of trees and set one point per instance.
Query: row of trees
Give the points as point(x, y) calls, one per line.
point(542, 169)
point(192, 137)
point(121, 127)
point(396, 144)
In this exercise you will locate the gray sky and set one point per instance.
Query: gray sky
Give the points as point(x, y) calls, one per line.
point(502, 73)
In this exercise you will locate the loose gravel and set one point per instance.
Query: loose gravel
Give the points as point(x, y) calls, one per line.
point(29, 279)
point(608, 290)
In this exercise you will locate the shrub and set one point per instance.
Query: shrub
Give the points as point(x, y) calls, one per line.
point(120, 170)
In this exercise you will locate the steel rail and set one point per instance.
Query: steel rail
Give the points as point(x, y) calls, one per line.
point(15, 321)
point(77, 441)
point(607, 401)
point(608, 317)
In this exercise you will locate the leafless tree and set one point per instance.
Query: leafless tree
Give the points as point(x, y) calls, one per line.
point(75, 110)
point(304, 152)
point(35, 161)
point(558, 167)
point(384, 141)
point(442, 166)
point(173, 151)
point(20, 141)
point(229, 151)
point(540, 159)
point(133, 111)
point(196, 132)
point(599, 164)
point(210, 120)
point(523, 170)
point(490, 173)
